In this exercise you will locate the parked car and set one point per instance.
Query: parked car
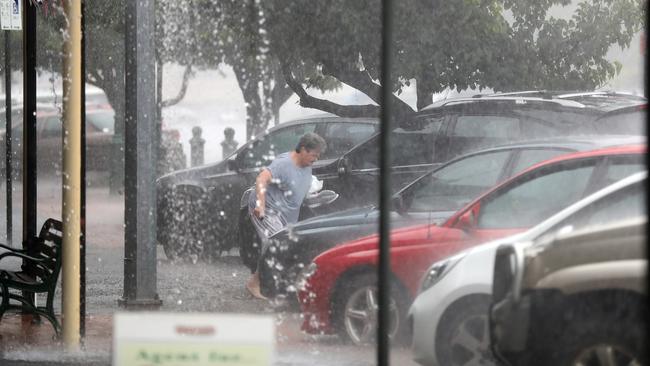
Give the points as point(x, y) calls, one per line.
point(432, 199)
point(449, 318)
point(577, 297)
point(100, 128)
point(337, 294)
point(198, 208)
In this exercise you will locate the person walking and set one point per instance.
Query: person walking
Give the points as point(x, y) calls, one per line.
point(280, 189)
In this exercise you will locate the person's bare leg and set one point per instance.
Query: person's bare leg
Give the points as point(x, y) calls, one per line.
point(253, 286)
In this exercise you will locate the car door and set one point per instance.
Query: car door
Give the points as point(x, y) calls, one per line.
point(412, 151)
point(528, 200)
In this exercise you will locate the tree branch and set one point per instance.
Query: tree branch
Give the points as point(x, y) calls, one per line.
point(308, 101)
point(181, 93)
point(362, 81)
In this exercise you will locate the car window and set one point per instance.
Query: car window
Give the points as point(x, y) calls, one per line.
point(619, 168)
point(630, 123)
point(536, 199)
point(414, 146)
point(528, 158)
point(264, 150)
point(625, 204)
point(450, 188)
point(533, 128)
point(341, 137)
point(487, 127)
point(410, 146)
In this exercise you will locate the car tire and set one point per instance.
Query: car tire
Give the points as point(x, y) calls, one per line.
point(462, 337)
point(590, 341)
point(355, 311)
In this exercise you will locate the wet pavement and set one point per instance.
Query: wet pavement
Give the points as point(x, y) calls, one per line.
point(216, 287)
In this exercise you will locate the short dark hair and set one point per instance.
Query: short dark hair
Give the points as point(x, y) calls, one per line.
point(311, 141)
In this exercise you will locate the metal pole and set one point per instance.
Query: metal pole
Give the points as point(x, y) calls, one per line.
point(383, 345)
point(82, 212)
point(71, 174)
point(140, 158)
point(29, 122)
point(8, 150)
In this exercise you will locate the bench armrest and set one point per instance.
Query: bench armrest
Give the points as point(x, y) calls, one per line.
point(21, 255)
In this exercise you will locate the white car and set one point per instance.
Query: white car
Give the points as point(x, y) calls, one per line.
point(449, 316)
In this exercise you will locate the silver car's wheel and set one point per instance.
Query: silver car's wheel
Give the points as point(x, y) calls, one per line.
point(470, 343)
point(463, 334)
point(606, 355)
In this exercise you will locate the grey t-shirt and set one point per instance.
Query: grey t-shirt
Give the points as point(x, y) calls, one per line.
point(288, 188)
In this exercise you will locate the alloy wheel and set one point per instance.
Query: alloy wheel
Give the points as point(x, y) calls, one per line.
point(606, 355)
point(360, 316)
point(470, 343)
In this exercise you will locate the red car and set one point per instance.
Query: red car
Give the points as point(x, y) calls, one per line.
point(338, 294)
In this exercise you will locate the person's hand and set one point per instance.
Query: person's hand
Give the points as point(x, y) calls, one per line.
point(259, 212)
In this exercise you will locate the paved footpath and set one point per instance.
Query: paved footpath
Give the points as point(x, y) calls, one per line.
point(184, 288)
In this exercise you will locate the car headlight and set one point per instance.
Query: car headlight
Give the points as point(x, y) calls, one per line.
point(438, 270)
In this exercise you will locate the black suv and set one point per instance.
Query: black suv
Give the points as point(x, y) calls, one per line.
point(453, 127)
point(198, 208)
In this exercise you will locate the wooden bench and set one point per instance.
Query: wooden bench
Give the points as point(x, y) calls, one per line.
point(42, 257)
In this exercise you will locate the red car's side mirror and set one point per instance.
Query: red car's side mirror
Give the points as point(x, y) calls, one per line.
point(467, 221)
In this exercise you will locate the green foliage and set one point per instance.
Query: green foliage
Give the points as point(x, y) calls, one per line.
point(499, 44)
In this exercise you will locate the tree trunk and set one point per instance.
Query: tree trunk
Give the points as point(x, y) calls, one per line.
point(424, 93)
point(255, 116)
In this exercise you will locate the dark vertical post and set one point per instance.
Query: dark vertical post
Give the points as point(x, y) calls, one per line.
point(383, 345)
point(8, 150)
point(29, 132)
point(158, 140)
point(140, 158)
point(29, 121)
point(82, 214)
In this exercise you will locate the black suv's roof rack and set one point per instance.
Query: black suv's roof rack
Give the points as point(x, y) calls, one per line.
point(515, 99)
point(564, 98)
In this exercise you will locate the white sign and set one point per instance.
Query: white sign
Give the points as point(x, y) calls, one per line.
point(11, 14)
point(171, 339)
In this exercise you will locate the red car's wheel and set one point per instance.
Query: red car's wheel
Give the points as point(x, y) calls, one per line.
point(355, 313)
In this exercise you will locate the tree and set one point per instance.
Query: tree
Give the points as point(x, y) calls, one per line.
point(499, 44)
point(231, 32)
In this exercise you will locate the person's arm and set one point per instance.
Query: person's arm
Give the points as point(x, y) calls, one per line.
point(261, 182)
